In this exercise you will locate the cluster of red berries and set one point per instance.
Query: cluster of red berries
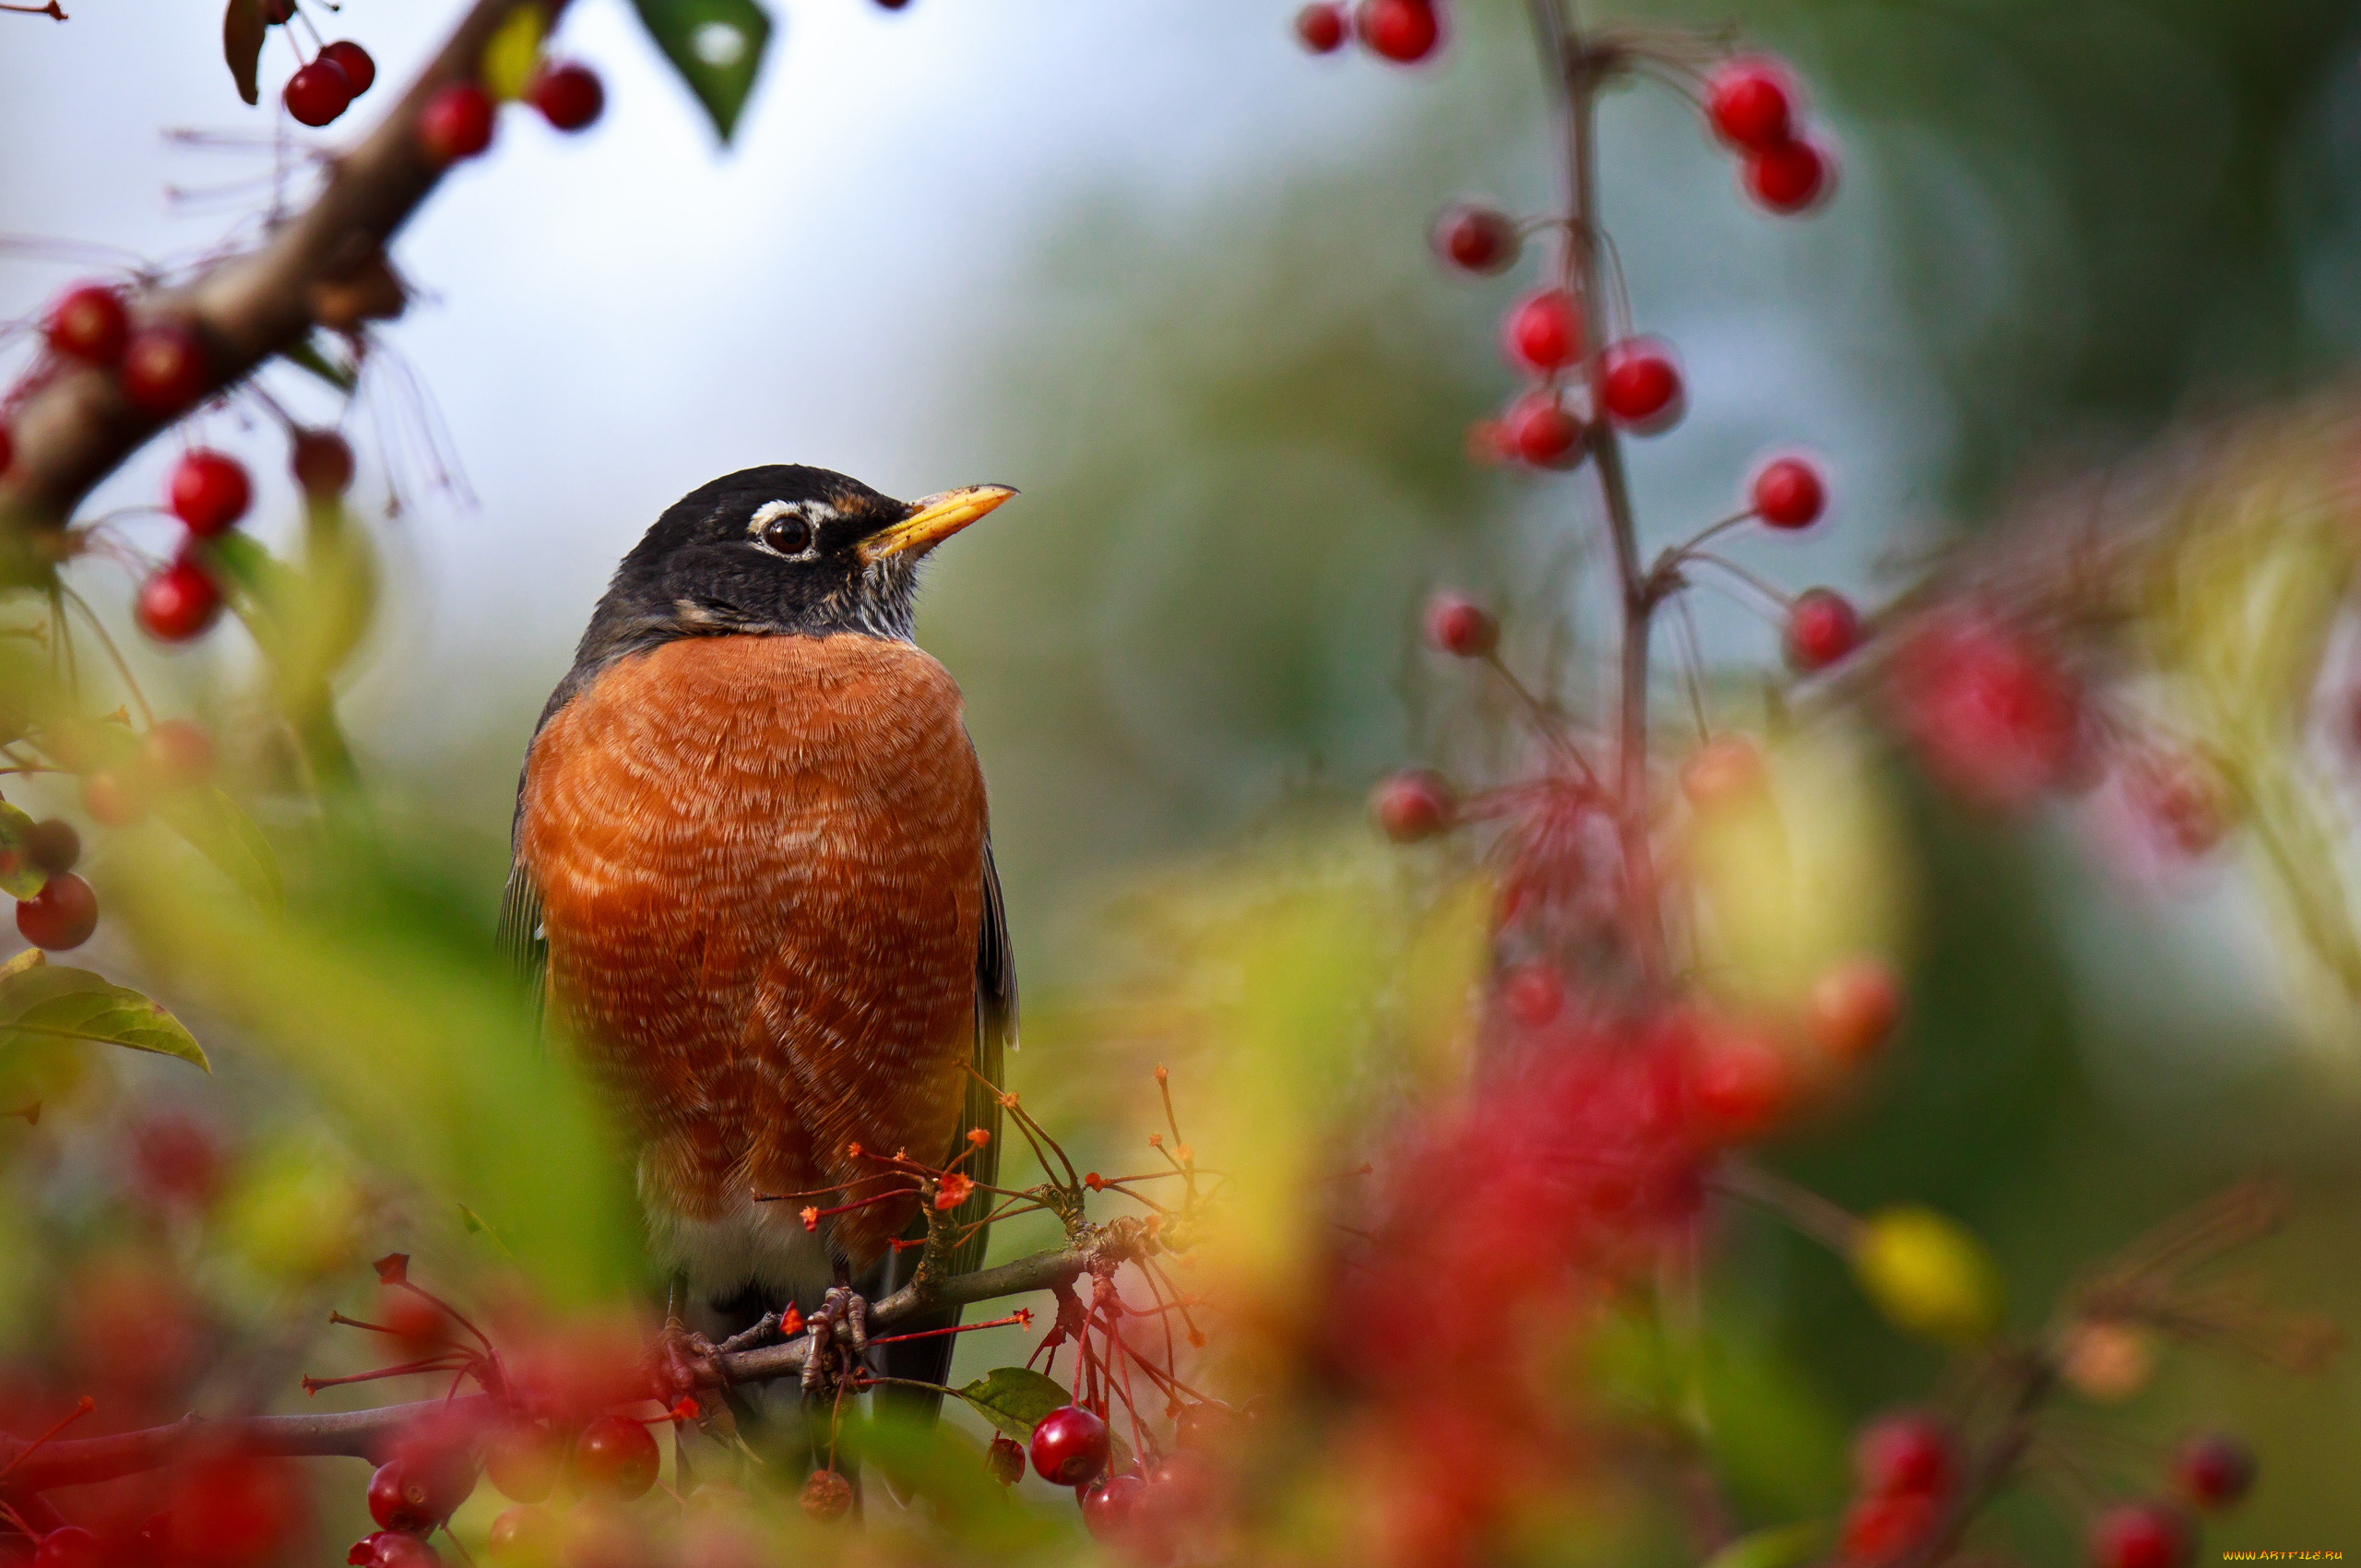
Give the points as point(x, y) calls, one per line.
point(1754, 106)
point(65, 911)
point(1404, 32)
point(161, 366)
point(325, 85)
point(458, 121)
point(1905, 1468)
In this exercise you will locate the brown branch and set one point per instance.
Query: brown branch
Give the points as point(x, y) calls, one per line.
point(77, 427)
point(368, 1434)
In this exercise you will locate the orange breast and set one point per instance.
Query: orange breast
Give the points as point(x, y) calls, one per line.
point(760, 861)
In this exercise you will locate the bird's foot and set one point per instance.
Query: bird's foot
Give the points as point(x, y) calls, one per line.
point(826, 1363)
point(686, 1362)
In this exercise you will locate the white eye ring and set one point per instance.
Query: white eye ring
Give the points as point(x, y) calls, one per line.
point(810, 514)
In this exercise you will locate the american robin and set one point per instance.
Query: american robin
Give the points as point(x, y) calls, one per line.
point(752, 878)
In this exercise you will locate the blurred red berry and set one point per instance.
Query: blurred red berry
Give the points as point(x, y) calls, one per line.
point(1488, 444)
point(61, 916)
point(1111, 1508)
point(827, 1496)
point(52, 846)
point(1070, 1445)
point(1642, 385)
point(8, 450)
point(318, 92)
point(616, 1458)
point(231, 1511)
point(456, 123)
point(1413, 805)
point(1789, 493)
point(523, 1535)
point(1911, 1452)
point(112, 799)
point(1852, 1008)
point(521, 1458)
point(179, 602)
point(1823, 627)
point(1476, 238)
point(570, 96)
point(1723, 772)
point(1990, 709)
point(1543, 331)
point(1739, 1081)
point(88, 322)
point(1532, 994)
point(2140, 1535)
point(1881, 1529)
point(359, 69)
point(175, 1160)
point(1401, 30)
point(391, 1548)
point(1321, 28)
point(2179, 798)
point(1540, 431)
point(209, 492)
point(71, 1546)
point(1792, 177)
point(322, 463)
point(179, 754)
point(1750, 103)
point(163, 369)
point(1460, 626)
point(2213, 1469)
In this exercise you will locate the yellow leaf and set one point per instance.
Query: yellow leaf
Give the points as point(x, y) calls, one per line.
point(513, 53)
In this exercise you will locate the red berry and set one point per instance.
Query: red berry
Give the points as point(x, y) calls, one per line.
point(88, 322)
point(2180, 799)
point(318, 92)
point(1320, 29)
point(179, 602)
point(1852, 1008)
point(8, 450)
point(456, 123)
point(1642, 385)
point(1989, 705)
point(523, 1535)
point(179, 754)
point(61, 916)
point(1544, 331)
point(1070, 1445)
point(391, 1548)
point(359, 70)
point(1460, 626)
point(112, 800)
point(2140, 1535)
point(1823, 627)
point(414, 1492)
point(1789, 493)
point(1907, 1453)
point(1539, 429)
point(1881, 1529)
point(1111, 1508)
point(228, 1511)
point(176, 1160)
point(522, 1459)
point(616, 1458)
point(1722, 773)
point(163, 369)
point(70, 1546)
point(1739, 1082)
point(569, 96)
point(1532, 994)
point(52, 846)
point(322, 462)
point(1479, 239)
point(1791, 177)
point(1752, 104)
point(2213, 1469)
point(1401, 30)
point(395, 1502)
point(827, 1496)
point(1413, 805)
point(209, 492)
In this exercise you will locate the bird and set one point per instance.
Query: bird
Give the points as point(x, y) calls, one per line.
point(753, 886)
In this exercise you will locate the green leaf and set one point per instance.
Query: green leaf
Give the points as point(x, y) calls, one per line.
point(46, 1002)
point(218, 829)
point(1016, 1398)
point(243, 31)
point(306, 356)
point(716, 45)
point(19, 877)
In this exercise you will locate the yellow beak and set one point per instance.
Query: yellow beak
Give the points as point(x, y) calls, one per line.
point(932, 520)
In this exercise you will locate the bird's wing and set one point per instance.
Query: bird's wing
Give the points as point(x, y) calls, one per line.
point(521, 936)
point(928, 1360)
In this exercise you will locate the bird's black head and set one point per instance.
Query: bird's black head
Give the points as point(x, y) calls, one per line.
point(782, 550)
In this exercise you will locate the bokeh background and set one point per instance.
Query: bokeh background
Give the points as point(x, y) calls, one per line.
point(1168, 275)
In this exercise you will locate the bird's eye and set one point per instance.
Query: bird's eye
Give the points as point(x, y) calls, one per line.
point(788, 535)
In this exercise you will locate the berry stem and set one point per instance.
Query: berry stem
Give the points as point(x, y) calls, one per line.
point(1814, 1215)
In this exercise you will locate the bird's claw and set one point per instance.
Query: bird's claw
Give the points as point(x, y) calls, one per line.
point(841, 1305)
point(686, 1361)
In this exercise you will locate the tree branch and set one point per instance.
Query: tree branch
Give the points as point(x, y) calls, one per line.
point(368, 1434)
point(76, 427)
